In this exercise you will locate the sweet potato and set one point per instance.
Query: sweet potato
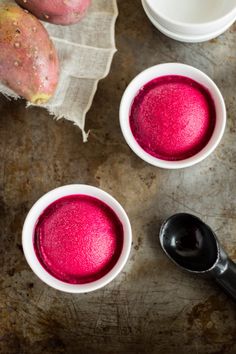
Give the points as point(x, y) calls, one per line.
point(60, 12)
point(29, 63)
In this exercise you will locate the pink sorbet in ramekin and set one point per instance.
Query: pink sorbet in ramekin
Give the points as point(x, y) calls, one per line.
point(173, 117)
point(78, 239)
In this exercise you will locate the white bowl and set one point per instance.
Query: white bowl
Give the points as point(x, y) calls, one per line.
point(188, 38)
point(28, 237)
point(172, 69)
point(193, 17)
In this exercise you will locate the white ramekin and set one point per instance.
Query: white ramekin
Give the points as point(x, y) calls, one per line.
point(41, 205)
point(188, 38)
point(210, 19)
point(172, 69)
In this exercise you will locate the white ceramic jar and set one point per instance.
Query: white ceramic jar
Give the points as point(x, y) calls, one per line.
point(191, 20)
point(28, 237)
point(172, 69)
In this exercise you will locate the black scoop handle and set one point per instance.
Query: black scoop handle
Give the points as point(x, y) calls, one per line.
point(226, 277)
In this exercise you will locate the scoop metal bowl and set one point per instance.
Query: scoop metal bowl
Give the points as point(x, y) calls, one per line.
point(193, 246)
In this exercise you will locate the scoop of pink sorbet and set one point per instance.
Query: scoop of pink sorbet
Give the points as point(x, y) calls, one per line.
point(173, 117)
point(78, 239)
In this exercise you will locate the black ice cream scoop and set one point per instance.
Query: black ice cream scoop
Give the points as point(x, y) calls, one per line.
point(192, 245)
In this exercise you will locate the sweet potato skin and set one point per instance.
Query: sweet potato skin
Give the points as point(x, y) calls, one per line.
point(29, 63)
point(60, 12)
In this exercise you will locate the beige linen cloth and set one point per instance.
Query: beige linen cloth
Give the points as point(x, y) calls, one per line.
point(85, 52)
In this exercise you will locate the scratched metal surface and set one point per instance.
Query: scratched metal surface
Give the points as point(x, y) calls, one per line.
point(152, 307)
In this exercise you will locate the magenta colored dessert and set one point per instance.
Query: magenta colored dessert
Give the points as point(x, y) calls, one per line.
point(78, 239)
point(173, 117)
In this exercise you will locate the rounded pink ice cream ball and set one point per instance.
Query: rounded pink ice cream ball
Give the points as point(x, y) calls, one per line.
point(60, 12)
point(78, 239)
point(173, 117)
